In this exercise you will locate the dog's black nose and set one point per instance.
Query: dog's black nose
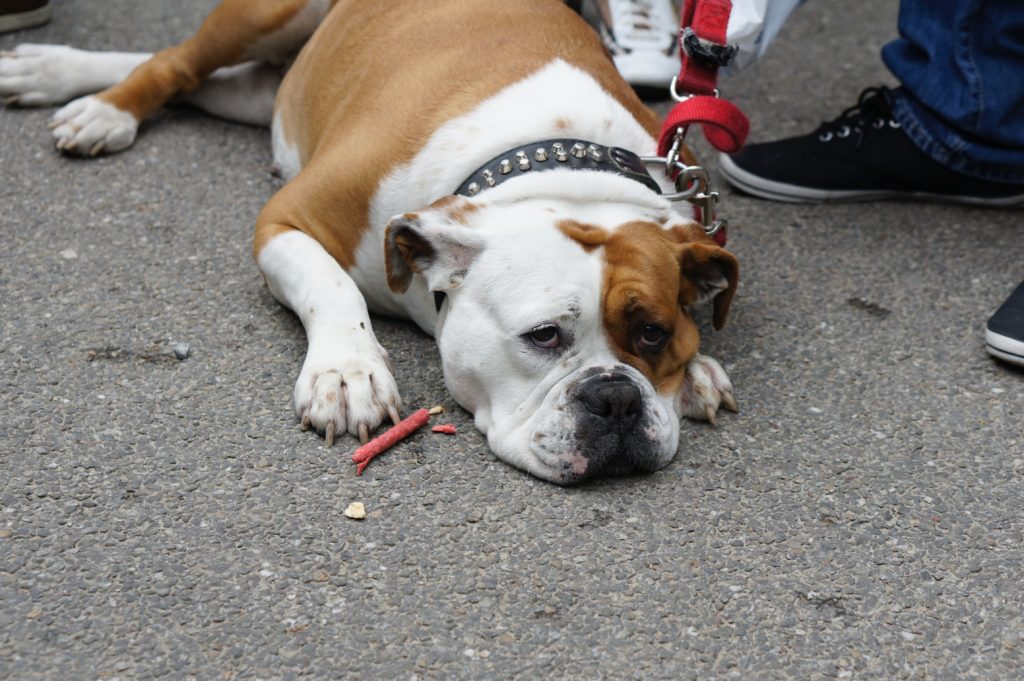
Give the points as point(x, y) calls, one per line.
point(612, 396)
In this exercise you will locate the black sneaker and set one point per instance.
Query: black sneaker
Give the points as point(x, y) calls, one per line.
point(1004, 334)
point(861, 156)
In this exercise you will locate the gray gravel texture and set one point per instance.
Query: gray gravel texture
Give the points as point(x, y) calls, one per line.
point(165, 518)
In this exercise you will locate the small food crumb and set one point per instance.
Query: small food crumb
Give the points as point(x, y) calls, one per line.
point(182, 351)
point(434, 411)
point(447, 428)
point(355, 510)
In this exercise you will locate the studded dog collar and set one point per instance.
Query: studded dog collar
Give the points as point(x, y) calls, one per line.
point(551, 154)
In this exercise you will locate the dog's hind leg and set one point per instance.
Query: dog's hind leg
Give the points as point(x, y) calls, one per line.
point(236, 31)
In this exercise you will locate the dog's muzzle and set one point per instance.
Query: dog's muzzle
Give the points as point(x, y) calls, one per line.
point(611, 427)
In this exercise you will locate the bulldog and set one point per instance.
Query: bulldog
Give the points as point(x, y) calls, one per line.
point(470, 165)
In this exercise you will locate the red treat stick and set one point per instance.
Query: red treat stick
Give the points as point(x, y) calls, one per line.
point(447, 428)
point(389, 438)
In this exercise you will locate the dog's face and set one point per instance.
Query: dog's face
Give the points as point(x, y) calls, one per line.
point(565, 331)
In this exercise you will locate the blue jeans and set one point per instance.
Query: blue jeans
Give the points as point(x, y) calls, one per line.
point(961, 66)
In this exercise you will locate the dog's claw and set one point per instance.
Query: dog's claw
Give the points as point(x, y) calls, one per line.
point(364, 433)
point(329, 434)
point(304, 423)
point(11, 101)
point(97, 148)
point(709, 414)
point(729, 402)
point(394, 414)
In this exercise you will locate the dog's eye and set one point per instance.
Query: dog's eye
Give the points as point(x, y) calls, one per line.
point(546, 336)
point(652, 337)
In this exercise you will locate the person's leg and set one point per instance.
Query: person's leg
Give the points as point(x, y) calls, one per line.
point(954, 131)
point(961, 69)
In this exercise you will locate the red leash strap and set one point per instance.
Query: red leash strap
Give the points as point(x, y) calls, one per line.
point(702, 49)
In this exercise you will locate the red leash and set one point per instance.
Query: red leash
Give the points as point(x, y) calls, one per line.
point(702, 51)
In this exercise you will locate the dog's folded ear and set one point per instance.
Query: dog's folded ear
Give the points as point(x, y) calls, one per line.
point(439, 249)
point(708, 271)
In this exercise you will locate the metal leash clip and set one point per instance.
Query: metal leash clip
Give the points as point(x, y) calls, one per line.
point(692, 184)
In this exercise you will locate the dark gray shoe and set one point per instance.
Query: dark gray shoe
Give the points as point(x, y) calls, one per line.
point(1004, 333)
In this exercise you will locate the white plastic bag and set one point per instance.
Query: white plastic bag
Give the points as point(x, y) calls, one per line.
point(753, 24)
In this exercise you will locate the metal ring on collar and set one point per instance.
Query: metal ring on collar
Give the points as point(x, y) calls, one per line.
point(693, 178)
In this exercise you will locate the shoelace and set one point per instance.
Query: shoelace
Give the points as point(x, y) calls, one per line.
point(646, 21)
point(871, 112)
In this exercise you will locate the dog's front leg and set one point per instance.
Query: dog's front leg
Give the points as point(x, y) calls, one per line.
point(346, 382)
point(706, 388)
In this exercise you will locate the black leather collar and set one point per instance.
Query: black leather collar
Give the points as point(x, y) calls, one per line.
point(550, 154)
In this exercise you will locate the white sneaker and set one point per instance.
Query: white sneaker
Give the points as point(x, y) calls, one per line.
point(642, 36)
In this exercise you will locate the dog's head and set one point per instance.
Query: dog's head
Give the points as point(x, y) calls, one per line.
point(566, 330)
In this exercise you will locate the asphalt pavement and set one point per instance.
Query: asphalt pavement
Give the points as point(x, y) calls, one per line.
point(860, 518)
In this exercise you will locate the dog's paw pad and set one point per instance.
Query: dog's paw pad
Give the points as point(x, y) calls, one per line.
point(89, 126)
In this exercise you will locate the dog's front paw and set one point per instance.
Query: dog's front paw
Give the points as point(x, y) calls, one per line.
point(37, 75)
point(342, 392)
point(89, 126)
point(705, 389)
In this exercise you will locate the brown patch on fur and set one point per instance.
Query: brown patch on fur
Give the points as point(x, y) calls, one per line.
point(647, 271)
point(403, 250)
point(222, 40)
point(456, 208)
point(264, 233)
point(562, 123)
point(587, 236)
point(703, 260)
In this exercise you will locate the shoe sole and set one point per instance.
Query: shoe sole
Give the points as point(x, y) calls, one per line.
point(1005, 348)
point(16, 22)
point(791, 193)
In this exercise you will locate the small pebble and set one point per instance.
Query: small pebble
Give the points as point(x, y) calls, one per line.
point(434, 411)
point(355, 510)
point(182, 350)
point(69, 254)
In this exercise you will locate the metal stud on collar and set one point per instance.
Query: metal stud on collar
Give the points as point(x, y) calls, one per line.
point(568, 153)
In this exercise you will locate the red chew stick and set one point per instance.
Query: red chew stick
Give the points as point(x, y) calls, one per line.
point(447, 428)
point(388, 438)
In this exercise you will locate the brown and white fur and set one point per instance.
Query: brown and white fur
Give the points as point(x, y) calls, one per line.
point(566, 328)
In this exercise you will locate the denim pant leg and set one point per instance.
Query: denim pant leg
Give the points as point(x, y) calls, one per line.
point(961, 68)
